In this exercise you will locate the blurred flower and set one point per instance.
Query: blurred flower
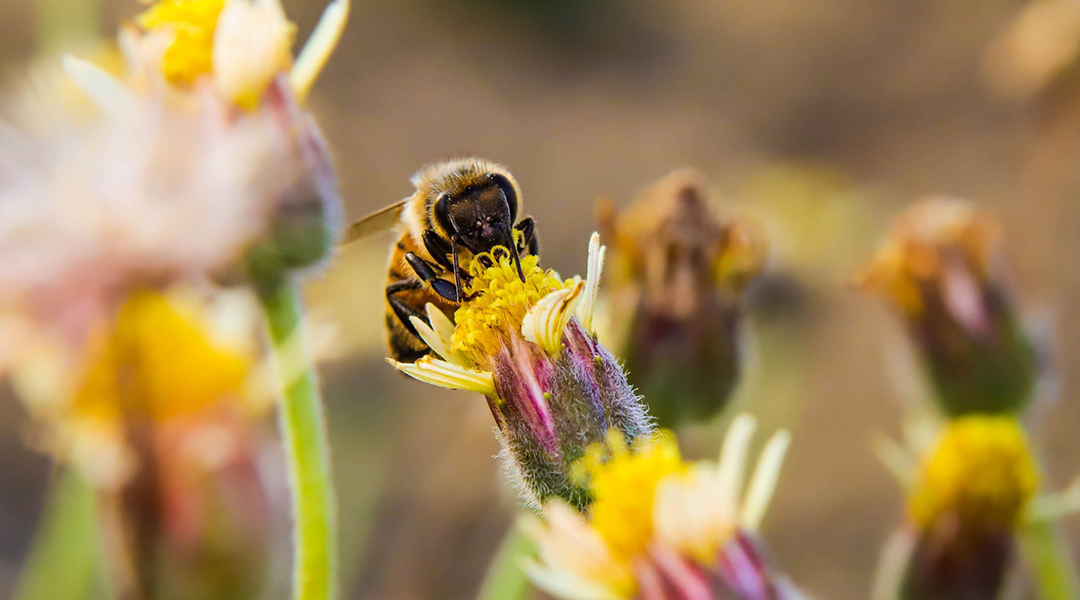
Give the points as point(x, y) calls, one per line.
point(230, 61)
point(159, 410)
point(675, 296)
point(943, 269)
point(968, 497)
point(1037, 47)
point(89, 213)
point(552, 388)
point(661, 528)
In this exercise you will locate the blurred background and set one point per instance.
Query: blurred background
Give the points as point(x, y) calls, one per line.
point(823, 119)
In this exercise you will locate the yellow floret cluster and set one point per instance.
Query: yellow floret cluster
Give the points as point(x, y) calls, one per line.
point(499, 303)
point(623, 481)
point(981, 472)
point(161, 360)
point(192, 23)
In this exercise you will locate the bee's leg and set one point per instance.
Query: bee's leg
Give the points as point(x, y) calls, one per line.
point(529, 243)
point(401, 309)
point(438, 248)
point(457, 268)
point(427, 274)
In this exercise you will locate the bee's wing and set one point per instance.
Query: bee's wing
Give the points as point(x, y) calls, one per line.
point(383, 219)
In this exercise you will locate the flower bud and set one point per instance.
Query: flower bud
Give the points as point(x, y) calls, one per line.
point(552, 388)
point(675, 297)
point(942, 268)
point(307, 219)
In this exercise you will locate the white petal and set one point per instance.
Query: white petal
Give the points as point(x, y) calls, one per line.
point(435, 340)
point(543, 325)
point(592, 281)
point(567, 585)
point(319, 47)
point(103, 89)
point(732, 463)
point(447, 375)
point(252, 43)
point(763, 482)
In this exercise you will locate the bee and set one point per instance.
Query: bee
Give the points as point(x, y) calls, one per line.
point(460, 208)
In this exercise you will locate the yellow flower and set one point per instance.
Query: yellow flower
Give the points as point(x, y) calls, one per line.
point(242, 45)
point(191, 24)
point(502, 300)
point(624, 489)
point(164, 358)
point(500, 308)
point(649, 505)
point(980, 471)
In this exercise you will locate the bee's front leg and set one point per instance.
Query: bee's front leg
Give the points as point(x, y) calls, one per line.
point(529, 243)
point(427, 274)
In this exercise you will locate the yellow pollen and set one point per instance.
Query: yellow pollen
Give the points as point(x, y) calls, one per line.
point(501, 300)
point(160, 361)
point(192, 23)
point(981, 471)
point(624, 486)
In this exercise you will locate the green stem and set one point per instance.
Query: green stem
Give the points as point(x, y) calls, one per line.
point(505, 579)
point(1052, 561)
point(307, 449)
point(62, 561)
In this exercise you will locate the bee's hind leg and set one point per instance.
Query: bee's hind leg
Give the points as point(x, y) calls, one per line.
point(427, 274)
point(401, 309)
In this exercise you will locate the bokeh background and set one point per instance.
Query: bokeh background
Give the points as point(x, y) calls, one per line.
point(822, 118)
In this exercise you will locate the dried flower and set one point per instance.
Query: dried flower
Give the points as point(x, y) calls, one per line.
point(661, 528)
point(942, 268)
point(552, 388)
point(675, 296)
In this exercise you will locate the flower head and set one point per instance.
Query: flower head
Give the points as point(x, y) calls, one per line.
point(675, 296)
point(189, 25)
point(552, 388)
point(90, 213)
point(162, 360)
point(980, 473)
point(967, 500)
point(240, 46)
point(660, 527)
point(942, 268)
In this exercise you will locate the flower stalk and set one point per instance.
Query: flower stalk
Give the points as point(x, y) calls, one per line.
point(1051, 561)
point(306, 443)
point(62, 563)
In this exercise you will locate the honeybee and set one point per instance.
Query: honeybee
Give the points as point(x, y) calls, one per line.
point(460, 208)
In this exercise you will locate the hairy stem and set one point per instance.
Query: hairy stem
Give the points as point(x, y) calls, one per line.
point(307, 450)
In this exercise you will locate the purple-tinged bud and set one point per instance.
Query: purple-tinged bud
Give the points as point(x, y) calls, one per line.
point(942, 268)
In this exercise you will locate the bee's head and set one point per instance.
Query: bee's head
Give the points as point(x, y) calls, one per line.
point(480, 214)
